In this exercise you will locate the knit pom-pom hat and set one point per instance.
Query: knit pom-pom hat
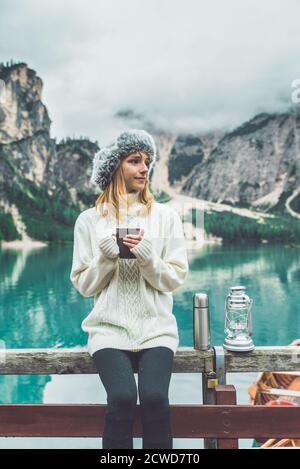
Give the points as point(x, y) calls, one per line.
point(107, 159)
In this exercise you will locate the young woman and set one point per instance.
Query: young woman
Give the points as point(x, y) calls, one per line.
point(131, 327)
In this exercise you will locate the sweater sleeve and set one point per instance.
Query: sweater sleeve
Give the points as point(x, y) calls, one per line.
point(169, 272)
point(90, 274)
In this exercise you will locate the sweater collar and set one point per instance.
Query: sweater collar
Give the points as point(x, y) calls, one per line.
point(133, 204)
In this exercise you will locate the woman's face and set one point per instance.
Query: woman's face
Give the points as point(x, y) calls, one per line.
point(135, 169)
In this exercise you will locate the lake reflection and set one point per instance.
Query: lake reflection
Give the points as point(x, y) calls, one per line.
point(41, 309)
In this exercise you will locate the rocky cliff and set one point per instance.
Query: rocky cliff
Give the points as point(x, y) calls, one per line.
point(256, 165)
point(35, 170)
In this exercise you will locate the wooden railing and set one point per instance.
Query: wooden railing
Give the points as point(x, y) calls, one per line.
point(222, 423)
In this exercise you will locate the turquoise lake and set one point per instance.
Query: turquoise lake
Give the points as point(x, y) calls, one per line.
point(41, 309)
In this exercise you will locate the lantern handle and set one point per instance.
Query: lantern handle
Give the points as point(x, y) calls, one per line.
point(225, 309)
point(250, 318)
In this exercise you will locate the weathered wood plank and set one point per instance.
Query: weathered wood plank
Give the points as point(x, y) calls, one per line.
point(78, 361)
point(264, 359)
point(187, 360)
point(188, 421)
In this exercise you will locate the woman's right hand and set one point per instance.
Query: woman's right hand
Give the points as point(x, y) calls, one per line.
point(132, 240)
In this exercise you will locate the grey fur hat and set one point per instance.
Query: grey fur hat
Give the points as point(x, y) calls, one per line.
point(106, 160)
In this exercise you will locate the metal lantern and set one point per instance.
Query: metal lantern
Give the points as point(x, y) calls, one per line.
point(238, 321)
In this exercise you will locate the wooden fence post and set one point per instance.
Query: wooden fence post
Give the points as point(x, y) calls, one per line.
point(226, 395)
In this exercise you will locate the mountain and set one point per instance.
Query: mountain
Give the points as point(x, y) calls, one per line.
point(256, 165)
point(44, 184)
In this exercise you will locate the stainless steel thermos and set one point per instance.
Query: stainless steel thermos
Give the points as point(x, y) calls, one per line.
point(201, 318)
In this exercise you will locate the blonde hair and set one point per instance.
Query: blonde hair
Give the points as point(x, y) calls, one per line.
point(116, 192)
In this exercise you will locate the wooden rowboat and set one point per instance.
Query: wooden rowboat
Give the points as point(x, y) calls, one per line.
point(277, 388)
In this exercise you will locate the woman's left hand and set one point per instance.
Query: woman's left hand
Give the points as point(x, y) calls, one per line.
point(132, 240)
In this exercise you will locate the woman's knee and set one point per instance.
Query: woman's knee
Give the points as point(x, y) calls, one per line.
point(122, 399)
point(154, 400)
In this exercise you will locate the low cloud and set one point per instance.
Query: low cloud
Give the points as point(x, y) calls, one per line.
point(186, 66)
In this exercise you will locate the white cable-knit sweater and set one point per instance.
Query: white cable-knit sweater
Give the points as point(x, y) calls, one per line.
point(133, 299)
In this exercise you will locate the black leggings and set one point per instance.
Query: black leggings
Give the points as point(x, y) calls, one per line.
point(116, 370)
